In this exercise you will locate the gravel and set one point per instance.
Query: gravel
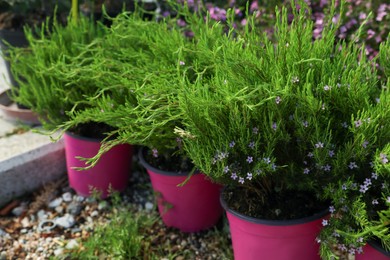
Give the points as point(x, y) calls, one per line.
point(55, 219)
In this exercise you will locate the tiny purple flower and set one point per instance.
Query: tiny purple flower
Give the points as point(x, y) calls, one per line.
point(325, 222)
point(258, 171)
point(274, 126)
point(345, 208)
point(359, 250)
point(344, 187)
point(388, 200)
point(358, 123)
point(326, 87)
point(363, 188)
point(251, 145)
point(273, 167)
point(267, 160)
point(365, 143)
point(232, 144)
point(332, 209)
point(294, 79)
point(305, 124)
point(291, 117)
point(344, 124)
point(342, 247)
point(374, 176)
point(359, 240)
point(155, 152)
point(278, 99)
point(249, 159)
point(241, 180)
point(255, 130)
point(352, 165)
point(327, 168)
point(375, 202)
point(331, 153)
point(383, 158)
point(310, 155)
point(234, 176)
point(351, 251)
point(226, 169)
point(249, 176)
point(367, 181)
point(319, 145)
point(182, 63)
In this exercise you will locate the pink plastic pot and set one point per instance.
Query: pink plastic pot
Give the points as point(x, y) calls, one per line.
point(192, 207)
point(112, 172)
point(255, 239)
point(373, 251)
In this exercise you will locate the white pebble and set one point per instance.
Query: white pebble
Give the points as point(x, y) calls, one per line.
point(59, 209)
point(94, 213)
point(55, 203)
point(58, 251)
point(25, 222)
point(66, 221)
point(149, 206)
point(67, 197)
point(42, 215)
point(18, 211)
point(72, 244)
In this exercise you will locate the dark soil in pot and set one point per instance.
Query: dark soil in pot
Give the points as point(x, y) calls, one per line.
point(171, 161)
point(287, 205)
point(92, 130)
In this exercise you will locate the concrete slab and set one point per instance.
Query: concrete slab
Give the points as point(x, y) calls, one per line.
point(28, 161)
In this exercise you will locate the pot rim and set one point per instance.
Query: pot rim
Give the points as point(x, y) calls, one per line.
point(150, 167)
point(268, 222)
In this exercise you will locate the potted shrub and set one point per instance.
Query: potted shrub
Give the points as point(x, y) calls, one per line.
point(274, 124)
point(14, 16)
point(360, 219)
point(141, 103)
point(43, 86)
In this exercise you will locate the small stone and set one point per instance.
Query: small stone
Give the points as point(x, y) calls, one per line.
point(91, 200)
point(23, 231)
point(103, 205)
point(55, 203)
point(3, 233)
point(3, 255)
point(94, 213)
point(75, 230)
point(59, 209)
point(89, 219)
point(74, 208)
point(66, 221)
point(58, 251)
point(18, 210)
point(42, 215)
point(25, 222)
point(72, 244)
point(67, 197)
point(149, 206)
point(183, 243)
point(40, 249)
point(78, 198)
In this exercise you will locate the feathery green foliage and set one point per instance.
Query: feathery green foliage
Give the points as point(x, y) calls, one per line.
point(39, 69)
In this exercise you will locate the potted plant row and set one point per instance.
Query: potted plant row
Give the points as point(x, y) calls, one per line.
point(140, 103)
point(289, 126)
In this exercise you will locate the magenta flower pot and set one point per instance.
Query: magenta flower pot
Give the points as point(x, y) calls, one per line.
point(373, 250)
point(111, 173)
point(255, 239)
point(192, 207)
